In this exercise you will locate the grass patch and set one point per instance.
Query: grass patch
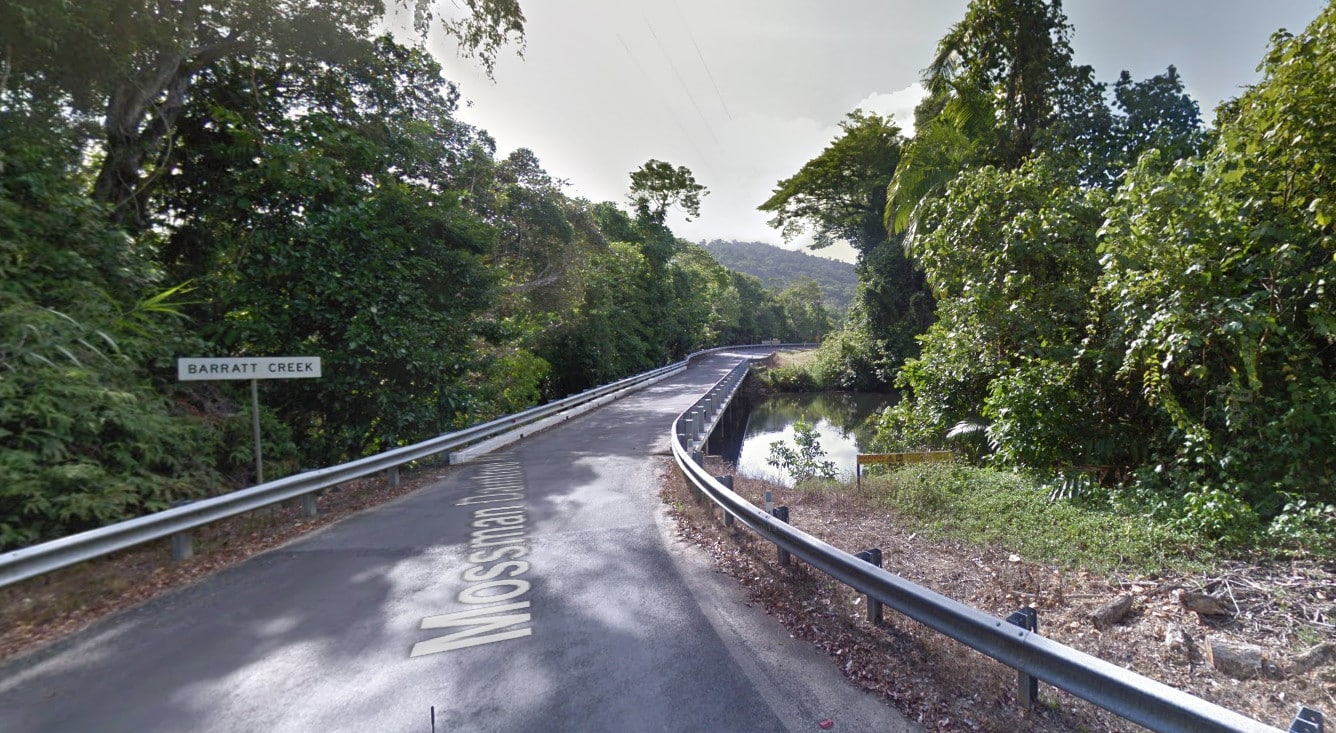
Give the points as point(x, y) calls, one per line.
point(992, 507)
point(795, 359)
point(790, 371)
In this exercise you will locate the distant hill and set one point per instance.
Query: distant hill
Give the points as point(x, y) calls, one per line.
point(778, 267)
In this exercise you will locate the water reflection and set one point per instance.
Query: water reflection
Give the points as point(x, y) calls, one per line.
point(840, 419)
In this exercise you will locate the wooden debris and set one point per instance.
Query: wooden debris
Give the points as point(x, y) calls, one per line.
point(1204, 604)
point(1180, 643)
point(1311, 659)
point(1237, 660)
point(1112, 612)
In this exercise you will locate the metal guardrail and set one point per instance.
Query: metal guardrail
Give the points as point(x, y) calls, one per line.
point(1132, 696)
point(28, 562)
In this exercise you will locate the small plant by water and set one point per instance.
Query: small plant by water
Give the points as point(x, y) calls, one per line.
point(808, 460)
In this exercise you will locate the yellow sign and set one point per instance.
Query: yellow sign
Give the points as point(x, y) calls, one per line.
point(898, 459)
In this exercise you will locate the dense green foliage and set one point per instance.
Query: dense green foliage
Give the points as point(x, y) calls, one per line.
point(83, 439)
point(841, 195)
point(1127, 303)
point(236, 179)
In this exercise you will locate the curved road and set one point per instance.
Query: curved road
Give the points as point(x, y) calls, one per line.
point(537, 589)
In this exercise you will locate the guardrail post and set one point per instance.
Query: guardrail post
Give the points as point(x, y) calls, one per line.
point(873, 605)
point(782, 514)
point(308, 505)
point(1307, 721)
point(183, 546)
point(183, 543)
point(1027, 687)
point(392, 477)
point(727, 481)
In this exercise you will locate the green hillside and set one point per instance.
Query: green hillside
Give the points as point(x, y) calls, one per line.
point(778, 268)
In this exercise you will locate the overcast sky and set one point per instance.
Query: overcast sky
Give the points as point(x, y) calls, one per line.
point(743, 92)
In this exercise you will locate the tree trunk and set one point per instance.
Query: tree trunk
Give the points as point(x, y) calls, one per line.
point(141, 118)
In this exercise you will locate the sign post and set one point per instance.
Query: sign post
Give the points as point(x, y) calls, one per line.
point(194, 369)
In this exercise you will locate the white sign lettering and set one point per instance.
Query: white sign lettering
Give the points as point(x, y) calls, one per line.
point(499, 534)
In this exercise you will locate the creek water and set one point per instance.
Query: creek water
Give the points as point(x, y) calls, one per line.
point(841, 420)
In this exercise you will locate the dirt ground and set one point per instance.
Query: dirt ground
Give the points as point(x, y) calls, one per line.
point(1285, 609)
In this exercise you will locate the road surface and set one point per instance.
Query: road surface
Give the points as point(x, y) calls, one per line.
point(538, 589)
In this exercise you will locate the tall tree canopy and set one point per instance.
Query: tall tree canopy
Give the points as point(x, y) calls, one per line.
point(656, 186)
point(133, 63)
point(840, 195)
point(1001, 77)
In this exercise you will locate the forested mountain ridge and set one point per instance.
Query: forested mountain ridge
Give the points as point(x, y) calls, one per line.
point(778, 268)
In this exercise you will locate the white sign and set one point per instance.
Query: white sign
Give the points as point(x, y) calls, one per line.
point(258, 367)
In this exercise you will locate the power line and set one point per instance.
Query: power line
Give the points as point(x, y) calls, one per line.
point(705, 65)
point(682, 82)
point(667, 107)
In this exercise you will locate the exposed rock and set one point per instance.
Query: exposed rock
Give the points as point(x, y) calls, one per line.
point(1112, 612)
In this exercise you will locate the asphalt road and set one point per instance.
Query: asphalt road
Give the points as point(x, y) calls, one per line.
point(538, 589)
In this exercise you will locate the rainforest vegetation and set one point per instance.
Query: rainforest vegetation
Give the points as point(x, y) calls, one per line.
point(1084, 282)
point(1075, 279)
point(240, 178)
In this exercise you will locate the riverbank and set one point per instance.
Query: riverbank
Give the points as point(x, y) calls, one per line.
point(1283, 608)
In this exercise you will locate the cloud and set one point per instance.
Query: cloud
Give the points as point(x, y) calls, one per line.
point(899, 104)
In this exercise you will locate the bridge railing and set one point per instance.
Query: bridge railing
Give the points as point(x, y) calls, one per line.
point(1132, 696)
point(176, 523)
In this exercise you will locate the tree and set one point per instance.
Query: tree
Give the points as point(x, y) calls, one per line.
point(482, 31)
point(841, 194)
point(805, 463)
point(134, 63)
point(544, 238)
point(611, 333)
point(1102, 143)
point(1012, 58)
point(711, 305)
point(1010, 256)
point(807, 314)
point(656, 186)
point(86, 436)
point(317, 207)
point(1001, 76)
point(1158, 114)
point(1216, 274)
